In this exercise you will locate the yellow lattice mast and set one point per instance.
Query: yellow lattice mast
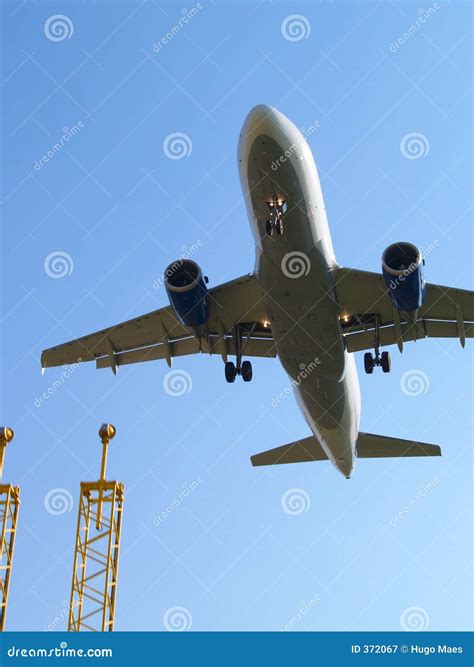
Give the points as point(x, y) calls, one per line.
point(9, 506)
point(96, 558)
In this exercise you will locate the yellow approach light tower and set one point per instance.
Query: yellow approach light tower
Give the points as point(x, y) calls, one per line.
point(96, 559)
point(9, 507)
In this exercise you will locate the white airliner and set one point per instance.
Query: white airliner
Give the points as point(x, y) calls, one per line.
point(299, 305)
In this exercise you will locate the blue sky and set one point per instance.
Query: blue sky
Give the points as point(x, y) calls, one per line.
point(364, 553)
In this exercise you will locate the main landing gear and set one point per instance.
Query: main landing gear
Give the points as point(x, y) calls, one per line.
point(277, 207)
point(243, 368)
point(378, 359)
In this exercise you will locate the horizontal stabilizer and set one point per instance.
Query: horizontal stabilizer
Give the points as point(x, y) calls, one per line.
point(369, 446)
point(307, 449)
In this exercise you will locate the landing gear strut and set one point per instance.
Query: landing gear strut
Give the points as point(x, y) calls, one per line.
point(243, 368)
point(277, 207)
point(378, 359)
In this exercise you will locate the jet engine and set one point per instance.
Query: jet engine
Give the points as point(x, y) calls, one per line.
point(402, 268)
point(187, 292)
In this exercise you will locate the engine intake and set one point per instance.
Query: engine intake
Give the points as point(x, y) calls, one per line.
point(402, 268)
point(187, 292)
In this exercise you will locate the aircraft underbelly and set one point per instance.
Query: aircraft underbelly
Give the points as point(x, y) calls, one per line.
point(296, 271)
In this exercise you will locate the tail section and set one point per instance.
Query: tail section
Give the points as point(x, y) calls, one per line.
point(369, 446)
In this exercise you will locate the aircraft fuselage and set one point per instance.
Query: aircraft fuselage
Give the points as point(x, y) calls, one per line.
point(296, 270)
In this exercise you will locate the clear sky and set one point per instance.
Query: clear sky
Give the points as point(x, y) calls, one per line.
point(363, 552)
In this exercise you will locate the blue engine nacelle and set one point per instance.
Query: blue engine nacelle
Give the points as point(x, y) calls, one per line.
point(402, 268)
point(187, 292)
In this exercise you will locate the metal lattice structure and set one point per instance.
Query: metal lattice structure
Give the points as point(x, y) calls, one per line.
point(9, 508)
point(96, 558)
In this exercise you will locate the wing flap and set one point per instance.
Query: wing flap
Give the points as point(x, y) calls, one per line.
point(364, 340)
point(255, 347)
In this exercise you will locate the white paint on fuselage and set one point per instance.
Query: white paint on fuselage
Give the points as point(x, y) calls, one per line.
point(275, 159)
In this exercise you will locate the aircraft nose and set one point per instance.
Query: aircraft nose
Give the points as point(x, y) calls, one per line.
point(259, 120)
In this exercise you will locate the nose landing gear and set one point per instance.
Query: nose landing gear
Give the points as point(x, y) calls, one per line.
point(277, 207)
point(378, 359)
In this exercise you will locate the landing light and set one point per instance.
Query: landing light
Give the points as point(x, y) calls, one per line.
point(345, 318)
point(266, 324)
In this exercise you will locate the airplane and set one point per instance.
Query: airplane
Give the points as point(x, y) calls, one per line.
point(299, 305)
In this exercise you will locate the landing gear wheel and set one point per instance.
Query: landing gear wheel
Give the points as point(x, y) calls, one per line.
point(246, 371)
point(368, 363)
point(385, 362)
point(269, 227)
point(230, 371)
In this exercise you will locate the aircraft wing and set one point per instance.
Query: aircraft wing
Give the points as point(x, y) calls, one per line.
point(447, 312)
point(160, 335)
